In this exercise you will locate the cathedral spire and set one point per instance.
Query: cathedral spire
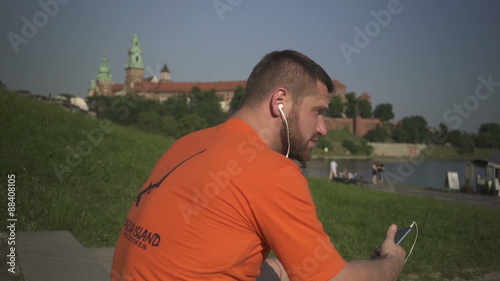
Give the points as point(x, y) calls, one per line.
point(135, 54)
point(104, 72)
point(134, 71)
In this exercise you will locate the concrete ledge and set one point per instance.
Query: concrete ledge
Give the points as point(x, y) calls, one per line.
point(56, 256)
point(104, 256)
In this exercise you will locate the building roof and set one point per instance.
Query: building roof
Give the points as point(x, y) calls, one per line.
point(165, 68)
point(186, 87)
point(117, 87)
point(338, 83)
point(365, 95)
point(493, 160)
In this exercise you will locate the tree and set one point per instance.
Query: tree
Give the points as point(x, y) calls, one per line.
point(466, 144)
point(190, 123)
point(400, 135)
point(170, 127)
point(207, 106)
point(362, 148)
point(486, 140)
point(378, 134)
point(235, 101)
point(351, 109)
point(383, 112)
point(125, 109)
point(493, 128)
point(336, 107)
point(415, 128)
point(175, 106)
point(444, 129)
point(150, 121)
point(365, 108)
point(453, 138)
point(2, 85)
point(488, 136)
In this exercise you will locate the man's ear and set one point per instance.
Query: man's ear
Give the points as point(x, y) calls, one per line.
point(280, 96)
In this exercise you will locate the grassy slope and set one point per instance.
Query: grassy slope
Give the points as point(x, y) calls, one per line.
point(93, 198)
point(335, 137)
point(96, 190)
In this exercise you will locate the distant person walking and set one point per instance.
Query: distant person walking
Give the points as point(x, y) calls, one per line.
point(380, 170)
point(374, 172)
point(333, 170)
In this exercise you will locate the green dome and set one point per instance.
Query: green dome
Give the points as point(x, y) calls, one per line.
point(104, 72)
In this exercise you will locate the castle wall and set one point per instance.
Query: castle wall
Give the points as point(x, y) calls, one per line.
point(362, 126)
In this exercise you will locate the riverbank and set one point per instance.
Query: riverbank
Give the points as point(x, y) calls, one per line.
point(430, 152)
point(420, 173)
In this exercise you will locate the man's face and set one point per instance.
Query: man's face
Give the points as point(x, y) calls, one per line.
point(306, 124)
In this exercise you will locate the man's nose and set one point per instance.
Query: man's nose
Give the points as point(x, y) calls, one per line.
point(321, 127)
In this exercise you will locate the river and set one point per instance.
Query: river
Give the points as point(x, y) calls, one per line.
point(429, 173)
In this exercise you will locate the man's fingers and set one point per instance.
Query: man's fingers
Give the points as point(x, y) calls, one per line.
point(376, 254)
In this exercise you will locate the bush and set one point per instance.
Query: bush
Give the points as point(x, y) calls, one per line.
point(354, 148)
point(324, 142)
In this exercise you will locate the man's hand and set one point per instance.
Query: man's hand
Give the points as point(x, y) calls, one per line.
point(386, 263)
point(391, 251)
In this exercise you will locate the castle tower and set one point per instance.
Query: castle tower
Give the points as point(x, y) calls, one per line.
point(92, 88)
point(134, 71)
point(165, 74)
point(103, 83)
point(339, 89)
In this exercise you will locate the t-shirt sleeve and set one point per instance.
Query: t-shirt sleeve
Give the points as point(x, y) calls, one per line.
point(288, 222)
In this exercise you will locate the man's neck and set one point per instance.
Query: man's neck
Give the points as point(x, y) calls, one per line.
point(267, 127)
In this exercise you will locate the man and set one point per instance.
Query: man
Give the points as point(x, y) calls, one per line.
point(333, 170)
point(374, 172)
point(220, 199)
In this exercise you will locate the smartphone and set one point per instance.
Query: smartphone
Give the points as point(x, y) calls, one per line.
point(401, 234)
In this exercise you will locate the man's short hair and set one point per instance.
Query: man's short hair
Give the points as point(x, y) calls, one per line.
point(288, 69)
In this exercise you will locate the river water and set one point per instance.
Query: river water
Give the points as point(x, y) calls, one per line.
point(429, 173)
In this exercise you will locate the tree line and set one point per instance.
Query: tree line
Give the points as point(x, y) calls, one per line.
point(412, 129)
point(175, 117)
point(186, 113)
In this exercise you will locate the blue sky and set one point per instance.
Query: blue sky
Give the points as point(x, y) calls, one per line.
point(436, 59)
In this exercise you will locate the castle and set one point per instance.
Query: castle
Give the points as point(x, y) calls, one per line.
point(153, 87)
point(163, 88)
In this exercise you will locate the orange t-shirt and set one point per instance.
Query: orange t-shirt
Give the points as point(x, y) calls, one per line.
point(214, 205)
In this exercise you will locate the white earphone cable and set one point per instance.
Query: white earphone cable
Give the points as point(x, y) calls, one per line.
point(415, 241)
point(287, 130)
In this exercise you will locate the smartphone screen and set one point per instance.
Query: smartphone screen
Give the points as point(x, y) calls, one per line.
point(401, 234)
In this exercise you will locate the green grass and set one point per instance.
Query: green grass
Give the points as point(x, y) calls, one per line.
point(94, 196)
point(454, 239)
point(335, 138)
point(451, 153)
point(95, 190)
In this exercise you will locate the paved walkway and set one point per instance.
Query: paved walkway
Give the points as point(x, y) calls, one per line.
point(475, 200)
point(58, 256)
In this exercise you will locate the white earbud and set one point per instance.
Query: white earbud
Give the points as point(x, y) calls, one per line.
point(280, 108)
